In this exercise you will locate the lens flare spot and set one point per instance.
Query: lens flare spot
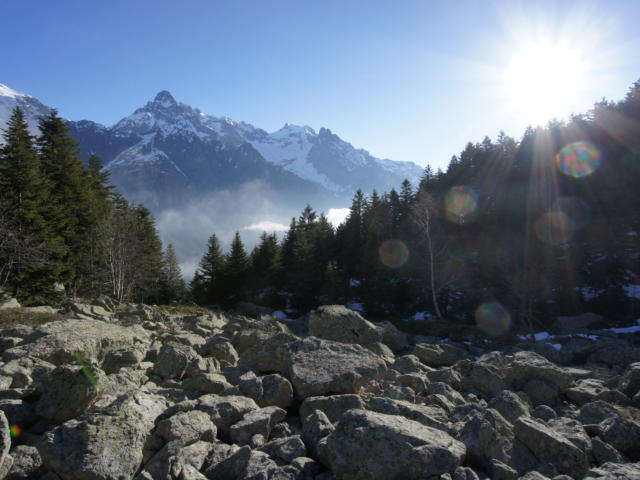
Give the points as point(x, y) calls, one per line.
point(579, 159)
point(15, 431)
point(393, 253)
point(86, 369)
point(461, 204)
point(575, 208)
point(492, 318)
point(554, 228)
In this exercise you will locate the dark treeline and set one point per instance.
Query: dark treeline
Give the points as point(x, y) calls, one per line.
point(63, 225)
point(539, 227)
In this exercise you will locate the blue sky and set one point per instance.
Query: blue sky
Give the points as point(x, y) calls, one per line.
point(407, 80)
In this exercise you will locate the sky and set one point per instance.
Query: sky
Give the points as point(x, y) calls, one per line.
point(406, 80)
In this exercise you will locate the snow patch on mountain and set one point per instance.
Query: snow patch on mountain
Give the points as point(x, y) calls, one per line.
point(32, 108)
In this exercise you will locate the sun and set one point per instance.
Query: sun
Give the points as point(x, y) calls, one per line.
point(544, 80)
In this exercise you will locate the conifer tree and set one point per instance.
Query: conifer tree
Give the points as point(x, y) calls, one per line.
point(235, 273)
point(173, 285)
point(206, 283)
point(265, 263)
point(72, 212)
point(23, 198)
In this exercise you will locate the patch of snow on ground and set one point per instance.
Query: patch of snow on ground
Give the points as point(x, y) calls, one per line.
point(354, 283)
point(557, 346)
point(357, 306)
point(633, 291)
point(634, 329)
point(280, 315)
point(420, 316)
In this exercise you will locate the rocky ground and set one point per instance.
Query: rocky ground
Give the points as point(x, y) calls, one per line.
point(146, 394)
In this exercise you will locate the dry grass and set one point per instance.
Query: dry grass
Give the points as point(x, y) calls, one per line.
point(11, 317)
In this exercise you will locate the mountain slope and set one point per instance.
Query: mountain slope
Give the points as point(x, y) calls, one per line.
point(32, 108)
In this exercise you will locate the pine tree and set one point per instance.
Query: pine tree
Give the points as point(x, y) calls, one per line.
point(206, 283)
point(71, 209)
point(23, 199)
point(235, 273)
point(173, 285)
point(265, 264)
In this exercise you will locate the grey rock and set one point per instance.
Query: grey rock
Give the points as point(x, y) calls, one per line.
point(123, 357)
point(315, 427)
point(509, 405)
point(550, 447)
point(622, 434)
point(439, 355)
point(603, 452)
point(341, 324)
point(525, 366)
point(5, 440)
point(27, 463)
point(333, 406)
point(630, 381)
point(187, 428)
point(573, 431)
point(256, 422)
point(266, 355)
point(103, 444)
point(465, 473)
point(319, 367)
point(596, 412)
point(483, 379)
point(500, 471)
point(176, 360)
point(285, 449)
point(221, 349)
point(373, 445)
point(175, 461)
point(544, 412)
point(9, 303)
point(18, 412)
point(615, 471)
point(307, 466)
point(69, 391)
point(276, 391)
point(393, 338)
point(225, 411)
point(486, 435)
point(430, 416)
point(206, 383)
point(410, 364)
point(61, 342)
point(541, 392)
point(575, 323)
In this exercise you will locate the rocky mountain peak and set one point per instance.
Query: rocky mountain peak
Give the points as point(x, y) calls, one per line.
point(165, 99)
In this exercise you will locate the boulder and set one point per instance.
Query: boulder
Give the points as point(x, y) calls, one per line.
point(285, 449)
point(123, 358)
point(9, 303)
point(176, 360)
point(256, 423)
point(341, 324)
point(266, 355)
point(550, 447)
point(320, 367)
point(572, 324)
point(187, 428)
point(333, 406)
point(105, 443)
point(176, 461)
point(63, 341)
point(5, 442)
point(629, 383)
point(430, 416)
point(510, 405)
point(596, 412)
point(481, 378)
point(486, 435)
point(603, 452)
point(27, 464)
point(369, 445)
point(69, 391)
point(393, 338)
point(526, 366)
point(615, 471)
point(315, 427)
point(225, 411)
point(221, 349)
point(623, 435)
point(206, 383)
point(439, 354)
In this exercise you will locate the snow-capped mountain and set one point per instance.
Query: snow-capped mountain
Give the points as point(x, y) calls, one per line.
point(32, 108)
point(167, 151)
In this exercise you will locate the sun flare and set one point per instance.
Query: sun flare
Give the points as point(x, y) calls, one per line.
point(544, 80)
